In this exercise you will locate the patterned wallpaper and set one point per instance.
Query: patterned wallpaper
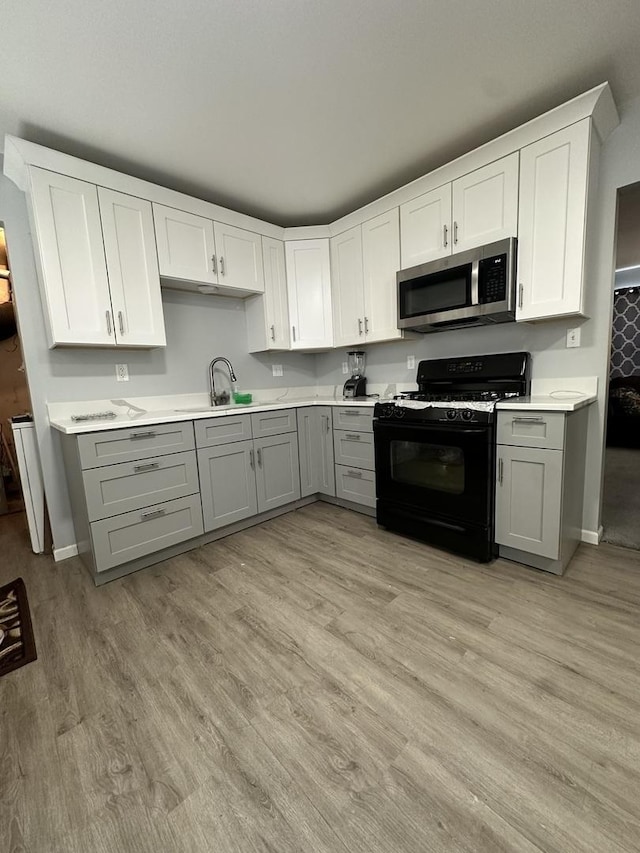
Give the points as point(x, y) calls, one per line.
point(625, 342)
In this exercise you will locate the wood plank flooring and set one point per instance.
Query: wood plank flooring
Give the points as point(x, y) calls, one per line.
point(317, 684)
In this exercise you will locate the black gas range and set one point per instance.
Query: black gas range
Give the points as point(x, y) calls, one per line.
point(435, 451)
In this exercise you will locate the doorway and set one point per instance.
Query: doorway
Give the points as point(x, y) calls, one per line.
point(621, 502)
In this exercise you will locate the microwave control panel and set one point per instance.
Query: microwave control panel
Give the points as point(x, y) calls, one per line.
point(492, 279)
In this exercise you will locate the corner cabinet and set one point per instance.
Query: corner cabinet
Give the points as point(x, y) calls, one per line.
point(194, 250)
point(309, 288)
point(477, 208)
point(554, 184)
point(96, 263)
point(268, 314)
point(315, 440)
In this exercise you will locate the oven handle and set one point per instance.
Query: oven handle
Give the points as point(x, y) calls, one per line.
point(455, 430)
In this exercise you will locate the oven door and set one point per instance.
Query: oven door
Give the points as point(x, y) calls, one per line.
point(440, 470)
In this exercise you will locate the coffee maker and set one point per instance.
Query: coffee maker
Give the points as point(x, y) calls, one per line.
point(356, 385)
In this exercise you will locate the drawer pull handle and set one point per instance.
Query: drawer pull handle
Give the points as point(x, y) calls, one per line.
point(351, 414)
point(356, 474)
point(352, 436)
point(154, 513)
point(148, 434)
point(528, 420)
point(148, 466)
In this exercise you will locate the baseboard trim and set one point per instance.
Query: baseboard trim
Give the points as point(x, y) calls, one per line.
point(592, 537)
point(65, 553)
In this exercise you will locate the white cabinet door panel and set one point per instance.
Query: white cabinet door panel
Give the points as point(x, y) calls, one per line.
point(346, 288)
point(529, 500)
point(381, 259)
point(239, 258)
point(73, 269)
point(425, 227)
point(554, 175)
point(485, 204)
point(186, 245)
point(309, 286)
point(132, 265)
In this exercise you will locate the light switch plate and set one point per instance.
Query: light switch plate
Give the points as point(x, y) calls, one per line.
point(122, 372)
point(276, 369)
point(411, 362)
point(573, 337)
point(345, 367)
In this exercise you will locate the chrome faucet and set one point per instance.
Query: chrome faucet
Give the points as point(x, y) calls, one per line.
point(223, 398)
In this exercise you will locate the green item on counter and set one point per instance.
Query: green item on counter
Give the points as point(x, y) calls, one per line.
point(238, 397)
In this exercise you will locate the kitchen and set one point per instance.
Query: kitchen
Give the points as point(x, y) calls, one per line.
point(199, 326)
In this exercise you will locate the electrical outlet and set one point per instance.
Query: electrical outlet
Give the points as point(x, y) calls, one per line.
point(573, 337)
point(345, 367)
point(276, 369)
point(122, 372)
point(411, 362)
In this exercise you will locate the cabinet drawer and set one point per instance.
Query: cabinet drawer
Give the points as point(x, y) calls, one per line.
point(532, 429)
point(222, 430)
point(132, 535)
point(273, 423)
point(353, 418)
point(114, 489)
point(130, 445)
point(354, 449)
point(354, 484)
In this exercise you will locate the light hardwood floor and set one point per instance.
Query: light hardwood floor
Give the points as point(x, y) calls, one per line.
point(316, 684)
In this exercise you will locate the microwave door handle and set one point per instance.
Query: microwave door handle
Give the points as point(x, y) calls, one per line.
point(475, 297)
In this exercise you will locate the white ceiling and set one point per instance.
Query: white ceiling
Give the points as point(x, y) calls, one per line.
point(298, 111)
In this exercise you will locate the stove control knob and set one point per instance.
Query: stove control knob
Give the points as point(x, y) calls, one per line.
point(400, 412)
point(386, 411)
point(467, 414)
point(451, 414)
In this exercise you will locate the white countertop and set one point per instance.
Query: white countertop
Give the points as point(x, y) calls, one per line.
point(549, 402)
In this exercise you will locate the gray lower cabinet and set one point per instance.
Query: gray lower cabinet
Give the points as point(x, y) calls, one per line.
point(354, 449)
point(108, 447)
point(132, 535)
point(540, 464)
point(277, 470)
point(227, 483)
point(315, 441)
point(529, 499)
point(356, 485)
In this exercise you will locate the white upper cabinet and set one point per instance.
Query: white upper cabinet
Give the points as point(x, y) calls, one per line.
point(239, 258)
point(425, 226)
point(186, 245)
point(477, 208)
point(268, 314)
point(381, 261)
point(195, 249)
point(485, 205)
point(347, 288)
point(554, 179)
point(132, 267)
point(97, 264)
point(72, 266)
point(309, 287)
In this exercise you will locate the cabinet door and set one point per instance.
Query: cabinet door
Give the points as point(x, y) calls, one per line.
point(381, 260)
point(132, 265)
point(425, 227)
point(347, 288)
point(485, 204)
point(529, 500)
point(554, 174)
point(239, 258)
point(227, 483)
point(186, 246)
point(268, 315)
point(277, 470)
point(316, 451)
point(309, 284)
point(72, 264)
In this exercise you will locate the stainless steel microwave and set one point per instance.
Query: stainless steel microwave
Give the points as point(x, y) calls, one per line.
point(473, 288)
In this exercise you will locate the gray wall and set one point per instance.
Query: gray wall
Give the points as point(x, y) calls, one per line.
point(198, 327)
